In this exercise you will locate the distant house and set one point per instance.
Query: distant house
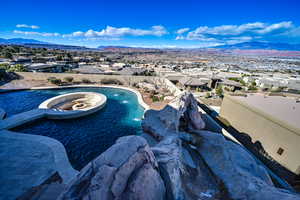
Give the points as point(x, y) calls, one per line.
point(44, 59)
point(229, 85)
point(21, 60)
point(194, 83)
point(68, 64)
point(132, 71)
point(42, 67)
point(89, 69)
point(174, 78)
point(4, 61)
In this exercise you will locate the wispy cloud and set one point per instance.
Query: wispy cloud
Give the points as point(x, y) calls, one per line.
point(182, 30)
point(44, 34)
point(230, 34)
point(27, 26)
point(113, 32)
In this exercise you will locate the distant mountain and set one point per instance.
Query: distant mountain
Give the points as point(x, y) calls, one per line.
point(19, 41)
point(40, 44)
point(117, 47)
point(262, 45)
point(126, 49)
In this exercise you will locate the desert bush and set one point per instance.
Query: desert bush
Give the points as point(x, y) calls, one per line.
point(85, 80)
point(219, 91)
point(251, 87)
point(111, 81)
point(155, 98)
point(54, 80)
point(69, 79)
point(17, 68)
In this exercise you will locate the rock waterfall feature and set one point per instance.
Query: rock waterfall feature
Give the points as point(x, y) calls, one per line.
point(186, 162)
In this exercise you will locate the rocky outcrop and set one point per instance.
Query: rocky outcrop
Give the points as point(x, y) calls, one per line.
point(185, 176)
point(179, 115)
point(241, 174)
point(229, 169)
point(184, 162)
point(127, 170)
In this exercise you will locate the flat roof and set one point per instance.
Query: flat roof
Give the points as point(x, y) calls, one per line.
point(283, 109)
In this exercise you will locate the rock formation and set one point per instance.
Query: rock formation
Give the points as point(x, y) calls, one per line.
point(127, 170)
point(185, 162)
point(226, 163)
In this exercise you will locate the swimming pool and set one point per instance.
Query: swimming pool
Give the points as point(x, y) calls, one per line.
point(87, 137)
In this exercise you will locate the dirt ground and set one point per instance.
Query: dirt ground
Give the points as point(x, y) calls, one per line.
point(211, 101)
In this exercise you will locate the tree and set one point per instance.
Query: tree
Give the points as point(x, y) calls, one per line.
point(59, 58)
point(17, 68)
point(69, 79)
point(8, 55)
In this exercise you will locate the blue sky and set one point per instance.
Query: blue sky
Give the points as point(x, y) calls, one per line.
point(164, 23)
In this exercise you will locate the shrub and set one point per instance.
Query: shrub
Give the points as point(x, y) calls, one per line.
point(4, 66)
point(17, 68)
point(111, 81)
point(251, 87)
point(155, 98)
point(207, 95)
point(85, 80)
point(219, 91)
point(54, 80)
point(69, 79)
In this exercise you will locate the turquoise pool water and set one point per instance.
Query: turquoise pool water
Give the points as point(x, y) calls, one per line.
point(87, 137)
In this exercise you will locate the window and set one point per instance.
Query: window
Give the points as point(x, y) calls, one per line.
point(280, 151)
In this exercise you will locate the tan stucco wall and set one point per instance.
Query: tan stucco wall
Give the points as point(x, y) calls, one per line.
point(271, 133)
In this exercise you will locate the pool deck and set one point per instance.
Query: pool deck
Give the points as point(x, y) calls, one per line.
point(22, 118)
point(29, 160)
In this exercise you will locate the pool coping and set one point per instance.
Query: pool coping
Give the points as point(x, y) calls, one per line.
point(137, 93)
point(63, 165)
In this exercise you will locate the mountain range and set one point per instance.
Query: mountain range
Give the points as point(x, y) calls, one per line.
point(261, 45)
point(241, 46)
point(20, 41)
point(40, 44)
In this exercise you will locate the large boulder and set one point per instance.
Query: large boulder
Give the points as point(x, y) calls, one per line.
point(185, 175)
point(127, 170)
point(241, 174)
point(180, 115)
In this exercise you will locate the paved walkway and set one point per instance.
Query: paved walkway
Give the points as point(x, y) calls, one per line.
point(22, 118)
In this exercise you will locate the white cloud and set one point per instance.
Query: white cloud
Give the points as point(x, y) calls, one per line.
point(27, 26)
point(231, 34)
point(110, 31)
point(276, 27)
point(44, 34)
point(182, 30)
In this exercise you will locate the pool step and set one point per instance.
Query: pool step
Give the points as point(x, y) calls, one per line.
point(22, 118)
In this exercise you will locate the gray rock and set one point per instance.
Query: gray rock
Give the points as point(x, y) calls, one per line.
point(242, 175)
point(179, 115)
point(119, 172)
point(185, 176)
point(147, 185)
